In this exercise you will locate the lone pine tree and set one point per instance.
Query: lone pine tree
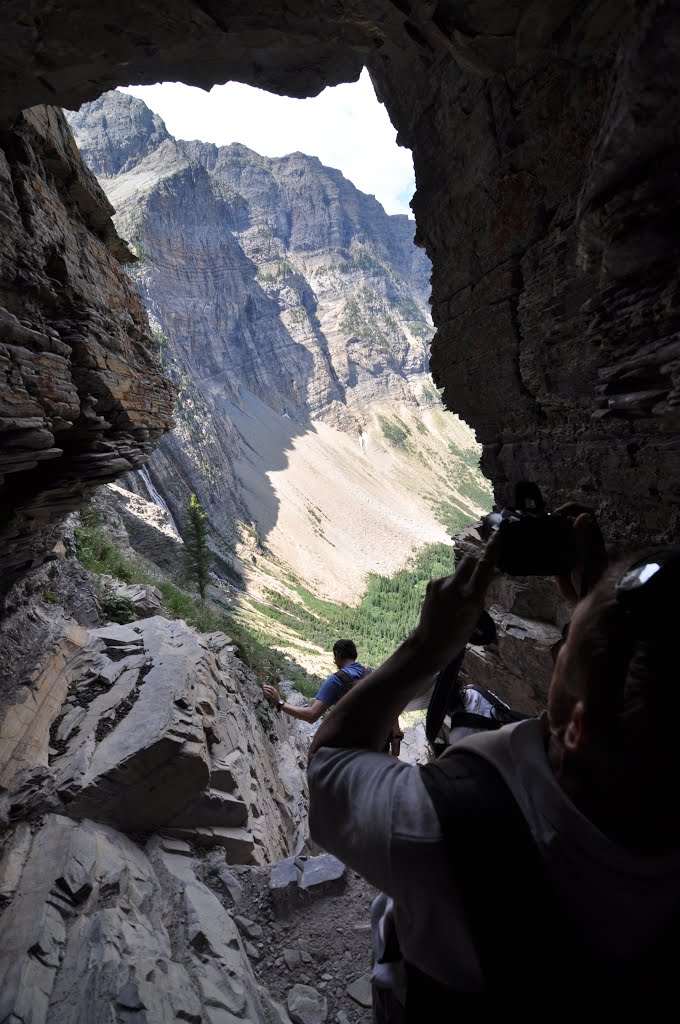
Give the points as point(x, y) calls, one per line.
point(196, 551)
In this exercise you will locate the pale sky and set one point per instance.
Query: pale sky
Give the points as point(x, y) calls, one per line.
point(344, 126)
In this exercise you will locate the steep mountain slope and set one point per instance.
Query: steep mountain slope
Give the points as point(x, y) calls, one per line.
point(291, 311)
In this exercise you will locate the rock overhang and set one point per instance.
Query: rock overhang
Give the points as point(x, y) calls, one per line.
point(542, 198)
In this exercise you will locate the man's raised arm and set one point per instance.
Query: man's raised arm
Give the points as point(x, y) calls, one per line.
point(307, 713)
point(451, 609)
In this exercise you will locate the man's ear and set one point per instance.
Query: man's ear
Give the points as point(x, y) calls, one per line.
point(576, 733)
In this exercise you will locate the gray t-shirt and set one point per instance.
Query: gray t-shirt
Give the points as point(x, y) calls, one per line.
point(374, 813)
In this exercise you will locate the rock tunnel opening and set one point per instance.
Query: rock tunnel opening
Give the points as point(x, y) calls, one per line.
point(291, 312)
point(547, 185)
point(514, 208)
point(543, 203)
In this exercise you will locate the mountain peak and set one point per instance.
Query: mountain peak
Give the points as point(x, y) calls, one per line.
point(116, 131)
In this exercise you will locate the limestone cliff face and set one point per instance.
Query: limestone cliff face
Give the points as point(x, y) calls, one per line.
point(281, 296)
point(550, 218)
point(82, 397)
point(273, 274)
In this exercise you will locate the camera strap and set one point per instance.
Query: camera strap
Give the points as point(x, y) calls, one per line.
point(446, 686)
point(439, 705)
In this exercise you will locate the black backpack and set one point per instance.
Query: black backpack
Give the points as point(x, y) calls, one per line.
point(446, 700)
point(347, 680)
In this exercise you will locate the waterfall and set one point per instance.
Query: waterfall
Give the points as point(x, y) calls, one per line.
point(156, 497)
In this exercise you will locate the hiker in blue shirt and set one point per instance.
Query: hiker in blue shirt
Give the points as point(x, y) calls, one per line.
point(348, 672)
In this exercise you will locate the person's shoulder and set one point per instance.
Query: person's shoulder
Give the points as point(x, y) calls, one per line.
point(330, 689)
point(355, 670)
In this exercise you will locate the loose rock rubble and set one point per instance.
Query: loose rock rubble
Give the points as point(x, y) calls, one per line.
point(318, 940)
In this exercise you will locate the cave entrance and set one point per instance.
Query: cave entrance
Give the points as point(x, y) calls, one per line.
point(508, 114)
point(290, 308)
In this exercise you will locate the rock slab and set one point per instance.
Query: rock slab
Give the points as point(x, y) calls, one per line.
point(306, 1005)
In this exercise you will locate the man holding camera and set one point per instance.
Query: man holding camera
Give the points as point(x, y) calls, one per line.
point(532, 864)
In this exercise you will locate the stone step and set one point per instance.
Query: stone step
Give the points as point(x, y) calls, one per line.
point(293, 880)
point(212, 807)
point(222, 773)
point(237, 842)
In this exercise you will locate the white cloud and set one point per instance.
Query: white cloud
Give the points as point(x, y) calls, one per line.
point(344, 126)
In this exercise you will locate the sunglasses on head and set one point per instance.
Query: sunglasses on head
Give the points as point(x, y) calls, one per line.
point(641, 578)
point(645, 576)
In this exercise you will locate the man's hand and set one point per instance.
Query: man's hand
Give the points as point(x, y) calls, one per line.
point(591, 557)
point(272, 695)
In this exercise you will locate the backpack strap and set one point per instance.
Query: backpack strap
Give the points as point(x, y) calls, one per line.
point(345, 678)
point(445, 690)
point(473, 721)
point(349, 681)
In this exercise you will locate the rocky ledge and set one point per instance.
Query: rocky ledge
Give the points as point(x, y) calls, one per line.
point(131, 755)
point(149, 726)
point(94, 926)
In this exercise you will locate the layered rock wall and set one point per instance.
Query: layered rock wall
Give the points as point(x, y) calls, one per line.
point(134, 769)
point(82, 397)
point(93, 926)
point(550, 217)
point(148, 727)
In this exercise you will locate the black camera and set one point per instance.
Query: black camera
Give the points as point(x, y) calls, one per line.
point(533, 542)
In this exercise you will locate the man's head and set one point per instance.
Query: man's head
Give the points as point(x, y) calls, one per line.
point(344, 651)
point(614, 698)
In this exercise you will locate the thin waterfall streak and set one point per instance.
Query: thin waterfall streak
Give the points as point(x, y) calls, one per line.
point(156, 497)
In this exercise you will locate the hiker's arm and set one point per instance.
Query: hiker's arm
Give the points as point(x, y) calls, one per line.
point(358, 799)
point(311, 713)
point(451, 610)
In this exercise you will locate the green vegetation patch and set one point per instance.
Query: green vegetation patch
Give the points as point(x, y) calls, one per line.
point(421, 330)
point(387, 613)
point(275, 273)
point(453, 515)
point(117, 608)
point(100, 556)
point(367, 317)
point(366, 263)
point(395, 431)
point(473, 491)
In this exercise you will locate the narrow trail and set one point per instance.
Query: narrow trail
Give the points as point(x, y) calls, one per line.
point(325, 943)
